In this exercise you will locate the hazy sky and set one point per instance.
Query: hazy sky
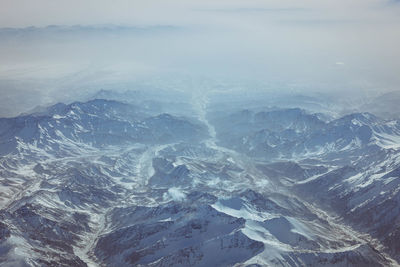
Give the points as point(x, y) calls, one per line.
point(22, 13)
point(311, 44)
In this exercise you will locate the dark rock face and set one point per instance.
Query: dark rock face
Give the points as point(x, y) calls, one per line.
point(4, 232)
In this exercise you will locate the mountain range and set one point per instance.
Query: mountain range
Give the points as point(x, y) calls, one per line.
point(127, 183)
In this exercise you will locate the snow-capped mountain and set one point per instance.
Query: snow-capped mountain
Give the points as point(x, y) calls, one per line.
point(294, 133)
point(107, 183)
point(96, 123)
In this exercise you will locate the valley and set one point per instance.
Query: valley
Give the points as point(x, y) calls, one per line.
point(107, 183)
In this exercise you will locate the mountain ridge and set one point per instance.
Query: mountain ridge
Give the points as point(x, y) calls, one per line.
point(170, 195)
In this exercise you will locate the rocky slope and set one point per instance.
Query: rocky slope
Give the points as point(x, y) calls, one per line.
point(105, 183)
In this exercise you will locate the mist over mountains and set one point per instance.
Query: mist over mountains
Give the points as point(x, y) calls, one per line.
point(51, 64)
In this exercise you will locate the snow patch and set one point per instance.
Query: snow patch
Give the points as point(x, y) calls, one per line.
point(176, 194)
